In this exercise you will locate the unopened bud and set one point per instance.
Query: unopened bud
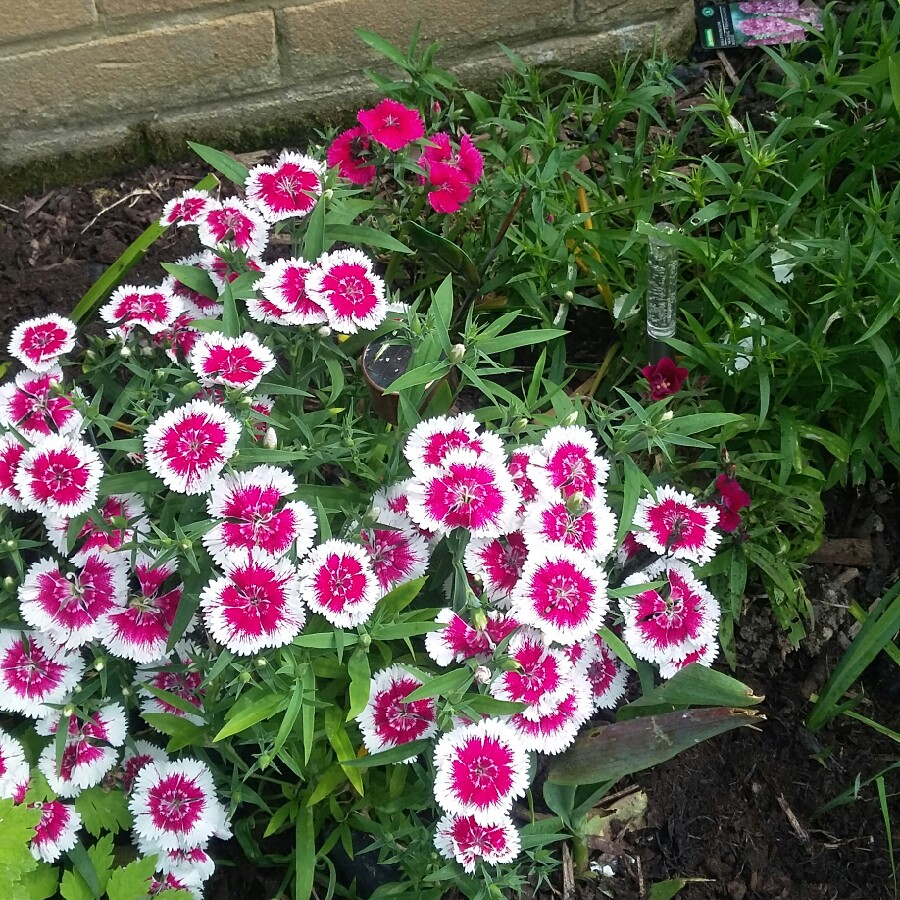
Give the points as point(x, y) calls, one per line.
point(99, 665)
point(11, 544)
point(519, 425)
point(124, 352)
point(575, 502)
point(270, 439)
point(246, 400)
point(186, 545)
point(260, 662)
point(265, 760)
point(457, 353)
point(245, 677)
point(327, 194)
point(9, 583)
point(568, 296)
point(90, 354)
point(668, 414)
point(365, 641)
point(324, 331)
point(479, 619)
point(126, 691)
point(482, 674)
point(147, 351)
point(68, 711)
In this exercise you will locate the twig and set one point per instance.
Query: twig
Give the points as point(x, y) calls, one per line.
point(729, 69)
point(8, 208)
point(138, 192)
point(799, 830)
point(568, 874)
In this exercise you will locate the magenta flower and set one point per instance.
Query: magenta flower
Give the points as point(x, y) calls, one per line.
point(669, 623)
point(284, 287)
point(56, 832)
point(703, 656)
point(590, 529)
point(153, 309)
point(542, 676)
point(186, 209)
point(674, 524)
point(136, 758)
point(628, 549)
point(188, 447)
point(731, 500)
point(392, 124)
point(338, 582)
point(239, 362)
point(480, 770)
point(569, 464)
point(235, 225)
point(351, 153)
point(140, 629)
point(255, 605)
point(258, 520)
point(499, 562)
point(223, 272)
point(345, 285)
point(456, 641)
point(115, 510)
point(598, 667)
point(554, 729)
point(71, 606)
point(14, 770)
point(11, 453)
point(388, 721)
point(470, 491)
point(174, 804)
point(180, 676)
point(33, 406)
point(450, 174)
point(463, 839)
point(519, 461)
point(289, 189)
point(35, 673)
point(397, 552)
point(562, 593)
point(665, 378)
point(432, 439)
point(39, 343)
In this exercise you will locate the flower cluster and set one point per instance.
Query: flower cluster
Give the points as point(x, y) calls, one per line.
point(540, 552)
point(768, 21)
point(449, 171)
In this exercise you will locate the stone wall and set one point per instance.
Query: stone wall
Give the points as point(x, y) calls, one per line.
point(82, 76)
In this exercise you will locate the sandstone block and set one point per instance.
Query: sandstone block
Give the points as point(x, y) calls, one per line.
point(145, 72)
point(121, 9)
point(321, 39)
point(28, 18)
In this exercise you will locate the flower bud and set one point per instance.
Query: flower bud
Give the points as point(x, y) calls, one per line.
point(568, 296)
point(148, 351)
point(126, 691)
point(186, 545)
point(324, 331)
point(457, 353)
point(9, 583)
point(327, 194)
point(373, 515)
point(246, 677)
point(260, 662)
point(519, 426)
point(265, 761)
point(365, 641)
point(482, 675)
point(68, 711)
point(124, 352)
point(571, 418)
point(479, 619)
point(99, 665)
point(575, 503)
point(11, 544)
point(246, 400)
point(667, 415)
point(270, 439)
point(90, 354)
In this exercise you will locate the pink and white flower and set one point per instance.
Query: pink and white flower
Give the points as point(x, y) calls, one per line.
point(71, 606)
point(480, 770)
point(223, 271)
point(289, 189)
point(675, 524)
point(258, 520)
point(188, 447)
point(186, 209)
point(463, 839)
point(84, 764)
point(136, 758)
point(255, 605)
point(13, 767)
point(337, 581)
point(284, 286)
point(542, 676)
point(56, 832)
point(106, 724)
point(59, 477)
point(35, 673)
point(239, 362)
point(11, 453)
point(456, 641)
point(345, 285)
point(703, 656)
point(470, 491)
point(235, 225)
point(124, 517)
point(392, 124)
point(179, 675)
point(152, 308)
point(431, 440)
point(39, 343)
point(499, 562)
point(600, 668)
point(34, 406)
point(140, 629)
point(190, 866)
point(387, 721)
point(666, 624)
point(588, 526)
point(553, 730)
point(397, 552)
point(570, 464)
point(174, 804)
point(561, 593)
point(519, 461)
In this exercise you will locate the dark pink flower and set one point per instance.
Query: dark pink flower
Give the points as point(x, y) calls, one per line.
point(432, 439)
point(35, 672)
point(600, 668)
point(39, 343)
point(675, 524)
point(463, 839)
point(665, 378)
point(289, 189)
point(456, 641)
point(238, 362)
point(284, 286)
point(392, 124)
point(387, 721)
point(350, 152)
point(186, 209)
point(56, 832)
point(154, 309)
point(570, 464)
point(397, 551)
point(11, 453)
point(554, 729)
point(178, 675)
point(519, 461)
point(450, 174)
point(236, 225)
point(731, 500)
point(34, 406)
point(345, 285)
point(59, 477)
point(124, 516)
point(449, 189)
point(339, 583)
point(542, 676)
point(498, 562)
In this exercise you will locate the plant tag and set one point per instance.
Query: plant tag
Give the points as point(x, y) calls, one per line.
point(755, 22)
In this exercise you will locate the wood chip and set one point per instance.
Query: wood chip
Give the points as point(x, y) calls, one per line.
point(799, 830)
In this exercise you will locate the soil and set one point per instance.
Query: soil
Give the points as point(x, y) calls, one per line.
point(737, 811)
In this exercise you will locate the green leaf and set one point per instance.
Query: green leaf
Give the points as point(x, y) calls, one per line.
point(193, 277)
point(665, 890)
point(103, 810)
point(697, 422)
point(326, 640)
point(386, 757)
point(453, 258)
point(133, 881)
point(362, 234)
point(314, 240)
point(521, 339)
point(395, 601)
point(304, 854)
point(182, 732)
point(340, 741)
point(386, 49)
point(132, 255)
point(84, 865)
point(694, 685)
point(17, 823)
point(251, 708)
point(232, 169)
point(231, 320)
point(442, 685)
point(877, 631)
point(894, 73)
point(42, 884)
point(611, 752)
point(360, 681)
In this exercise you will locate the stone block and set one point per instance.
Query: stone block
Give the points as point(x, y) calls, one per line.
point(122, 9)
point(29, 18)
point(147, 71)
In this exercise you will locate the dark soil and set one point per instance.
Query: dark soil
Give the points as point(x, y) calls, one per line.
point(737, 811)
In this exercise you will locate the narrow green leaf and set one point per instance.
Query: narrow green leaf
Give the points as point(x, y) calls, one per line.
point(442, 685)
point(193, 277)
point(304, 854)
point(362, 234)
point(85, 868)
point(394, 755)
point(360, 681)
point(314, 240)
point(250, 709)
point(228, 166)
point(231, 320)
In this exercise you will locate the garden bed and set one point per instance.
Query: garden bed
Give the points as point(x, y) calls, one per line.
point(736, 810)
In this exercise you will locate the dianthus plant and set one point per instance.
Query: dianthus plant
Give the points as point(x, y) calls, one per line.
point(229, 593)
